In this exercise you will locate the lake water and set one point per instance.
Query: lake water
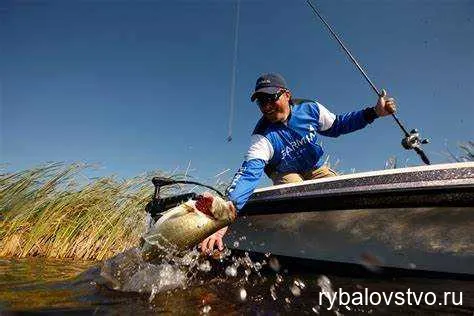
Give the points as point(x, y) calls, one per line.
point(237, 284)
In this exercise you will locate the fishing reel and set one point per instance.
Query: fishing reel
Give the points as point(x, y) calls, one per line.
point(413, 141)
point(158, 205)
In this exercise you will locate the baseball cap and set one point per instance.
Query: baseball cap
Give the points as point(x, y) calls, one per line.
point(269, 83)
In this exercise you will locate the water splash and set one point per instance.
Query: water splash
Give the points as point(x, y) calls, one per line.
point(205, 266)
point(297, 287)
point(327, 291)
point(231, 271)
point(243, 294)
point(326, 287)
point(128, 272)
point(206, 309)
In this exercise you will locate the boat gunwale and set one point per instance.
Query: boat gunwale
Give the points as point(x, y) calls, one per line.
point(371, 174)
point(374, 188)
point(441, 185)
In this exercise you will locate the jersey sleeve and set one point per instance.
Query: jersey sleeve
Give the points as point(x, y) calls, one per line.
point(244, 182)
point(334, 125)
point(246, 179)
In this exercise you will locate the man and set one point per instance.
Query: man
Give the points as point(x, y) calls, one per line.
point(284, 142)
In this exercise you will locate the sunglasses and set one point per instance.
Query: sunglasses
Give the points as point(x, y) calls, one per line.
point(265, 98)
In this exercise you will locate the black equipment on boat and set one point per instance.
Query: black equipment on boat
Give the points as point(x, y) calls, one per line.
point(158, 204)
point(412, 139)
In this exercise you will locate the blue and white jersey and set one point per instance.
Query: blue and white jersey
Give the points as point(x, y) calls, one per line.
point(290, 147)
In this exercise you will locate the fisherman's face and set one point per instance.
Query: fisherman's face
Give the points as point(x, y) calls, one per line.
point(275, 107)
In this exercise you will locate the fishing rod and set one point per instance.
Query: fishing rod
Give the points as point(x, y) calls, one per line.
point(160, 204)
point(412, 139)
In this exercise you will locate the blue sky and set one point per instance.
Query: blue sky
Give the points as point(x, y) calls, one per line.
point(144, 85)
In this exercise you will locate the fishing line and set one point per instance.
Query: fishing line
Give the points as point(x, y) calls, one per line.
point(158, 182)
point(412, 139)
point(234, 70)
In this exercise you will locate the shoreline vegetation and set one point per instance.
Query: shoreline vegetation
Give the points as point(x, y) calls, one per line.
point(56, 211)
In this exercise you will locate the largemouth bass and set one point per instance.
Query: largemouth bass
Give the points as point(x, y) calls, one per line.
point(186, 225)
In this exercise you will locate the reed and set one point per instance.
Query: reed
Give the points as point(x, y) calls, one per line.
point(465, 152)
point(467, 149)
point(54, 210)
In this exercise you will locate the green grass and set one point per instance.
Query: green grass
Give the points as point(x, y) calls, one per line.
point(55, 211)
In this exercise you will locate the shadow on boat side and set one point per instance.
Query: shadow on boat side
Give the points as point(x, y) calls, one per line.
point(438, 239)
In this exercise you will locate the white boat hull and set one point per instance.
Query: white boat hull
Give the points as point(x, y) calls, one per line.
point(426, 221)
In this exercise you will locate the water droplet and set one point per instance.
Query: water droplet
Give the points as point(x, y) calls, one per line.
point(231, 271)
point(287, 300)
point(243, 238)
point(274, 264)
point(326, 287)
point(324, 282)
point(299, 284)
point(205, 266)
point(279, 278)
point(295, 290)
point(206, 309)
point(247, 272)
point(154, 290)
point(257, 266)
point(236, 244)
point(243, 294)
point(273, 292)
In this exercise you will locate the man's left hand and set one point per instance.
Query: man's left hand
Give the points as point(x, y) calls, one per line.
point(385, 106)
point(207, 245)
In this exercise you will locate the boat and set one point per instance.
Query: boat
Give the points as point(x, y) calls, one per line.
point(410, 219)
